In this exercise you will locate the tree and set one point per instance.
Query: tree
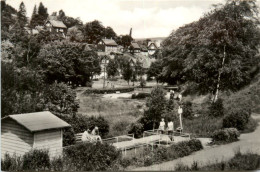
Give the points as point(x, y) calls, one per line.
point(127, 72)
point(33, 18)
point(21, 15)
point(156, 104)
point(187, 110)
point(93, 32)
point(72, 62)
point(125, 41)
point(43, 14)
point(217, 52)
point(155, 70)
point(109, 33)
point(142, 82)
point(111, 68)
point(75, 34)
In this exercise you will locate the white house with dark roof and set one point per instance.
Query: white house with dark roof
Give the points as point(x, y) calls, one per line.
point(152, 47)
point(39, 130)
point(107, 45)
point(56, 26)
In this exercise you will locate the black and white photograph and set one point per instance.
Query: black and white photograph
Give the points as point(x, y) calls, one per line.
point(130, 85)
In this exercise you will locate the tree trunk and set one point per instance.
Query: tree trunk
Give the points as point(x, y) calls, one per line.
point(219, 76)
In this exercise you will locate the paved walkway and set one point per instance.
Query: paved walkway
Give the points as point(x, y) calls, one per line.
point(248, 142)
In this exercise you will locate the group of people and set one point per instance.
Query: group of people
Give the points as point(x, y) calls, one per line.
point(92, 136)
point(169, 129)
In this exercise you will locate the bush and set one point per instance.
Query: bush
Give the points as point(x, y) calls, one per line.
point(187, 110)
point(225, 135)
point(136, 129)
point(236, 119)
point(120, 127)
point(217, 109)
point(140, 95)
point(36, 160)
point(108, 91)
point(90, 157)
point(11, 163)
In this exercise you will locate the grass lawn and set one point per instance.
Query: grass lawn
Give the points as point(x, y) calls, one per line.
point(119, 112)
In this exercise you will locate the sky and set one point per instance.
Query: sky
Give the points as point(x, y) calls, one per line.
point(147, 18)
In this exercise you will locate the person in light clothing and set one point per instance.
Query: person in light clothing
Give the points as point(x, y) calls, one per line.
point(170, 129)
point(162, 126)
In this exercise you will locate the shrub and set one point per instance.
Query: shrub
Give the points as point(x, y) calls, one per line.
point(216, 109)
point(120, 127)
point(57, 164)
point(236, 119)
point(136, 129)
point(187, 110)
point(36, 160)
point(90, 157)
point(11, 163)
point(108, 91)
point(142, 83)
point(225, 135)
point(140, 95)
point(247, 161)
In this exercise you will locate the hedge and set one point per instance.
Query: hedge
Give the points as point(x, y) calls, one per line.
point(140, 95)
point(226, 135)
point(109, 91)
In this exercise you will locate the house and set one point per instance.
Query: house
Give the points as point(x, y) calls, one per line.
point(143, 50)
point(39, 130)
point(107, 45)
point(152, 47)
point(56, 26)
point(134, 48)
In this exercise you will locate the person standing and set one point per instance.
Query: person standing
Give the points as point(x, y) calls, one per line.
point(170, 129)
point(162, 126)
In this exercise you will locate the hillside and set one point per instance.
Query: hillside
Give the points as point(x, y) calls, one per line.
point(249, 95)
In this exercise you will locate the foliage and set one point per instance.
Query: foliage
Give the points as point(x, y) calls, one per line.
point(75, 34)
point(125, 41)
point(94, 31)
point(108, 91)
point(137, 129)
point(112, 68)
point(127, 72)
point(36, 160)
point(156, 105)
point(216, 109)
point(155, 70)
point(101, 123)
point(226, 135)
point(72, 62)
point(60, 99)
point(237, 118)
point(187, 110)
point(195, 51)
point(247, 161)
point(161, 154)
point(39, 17)
point(90, 157)
point(11, 163)
point(120, 127)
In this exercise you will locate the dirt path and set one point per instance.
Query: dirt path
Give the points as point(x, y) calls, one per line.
point(248, 142)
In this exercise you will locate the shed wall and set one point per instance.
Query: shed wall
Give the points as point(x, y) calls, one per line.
point(15, 138)
point(49, 139)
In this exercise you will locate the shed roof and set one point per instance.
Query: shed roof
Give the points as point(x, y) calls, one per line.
point(38, 121)
point(57, 23)
point(109, 42)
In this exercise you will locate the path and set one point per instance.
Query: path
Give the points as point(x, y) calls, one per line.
point(248, 142)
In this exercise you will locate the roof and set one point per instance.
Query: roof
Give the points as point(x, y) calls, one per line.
point(38, 121)
point(57, 23)
point(135, 45)
point(150, 44)
point(109, 42)
point(143, 47)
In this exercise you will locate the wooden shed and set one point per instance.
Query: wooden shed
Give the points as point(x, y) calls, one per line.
point(40, 130)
